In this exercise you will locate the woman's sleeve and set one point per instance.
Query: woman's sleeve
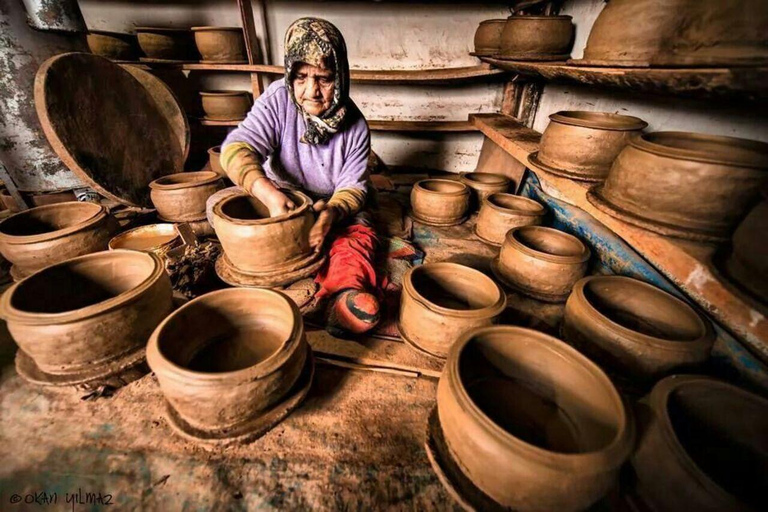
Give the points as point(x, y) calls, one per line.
point(351, 185)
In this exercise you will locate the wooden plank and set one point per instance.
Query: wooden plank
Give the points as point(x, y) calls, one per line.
point(249, 31)
point(516, 139)
point(420, 126)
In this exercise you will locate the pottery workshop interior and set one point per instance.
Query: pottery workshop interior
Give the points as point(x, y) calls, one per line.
point(384, 255)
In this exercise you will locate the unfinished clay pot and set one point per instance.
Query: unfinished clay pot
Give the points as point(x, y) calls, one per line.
point(746, 263)
point(702, 445)
point(222, 45)
point(226, 105)
point(87, 311)
point(483, 184)
point(502, 212)
point(634, 330)
point(437, 202)
point(45, 235)
point(533, 424)
point(441, 301)
point(686, 185)
point(488, 37)
point(541, 262)
point(113, 45)
point(34, 200)
point(214, 159)
point(156, 238)
point(539, 38)
point(181, 197)
point(166, 44)
point(583, 145)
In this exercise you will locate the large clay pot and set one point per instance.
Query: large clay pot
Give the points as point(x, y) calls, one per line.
point(113, 45)
point(222, 45)
point(583, 145)
point(483, 184)
point(45, 235)
point(226, 356)
point(441, 301)
point(634, 330)
point(226, 105)
point(156, 238)
point(439, 202)
point(502, 212)
point(34, 200)
point(214, 159)
point(541, 262)
point(87, 311)
point(181, 197)
point(746, 263)
point(159, 43)
point(702, 445)
point(687, 185)
point(488, 37)
point(530, 421)
point(537, 38)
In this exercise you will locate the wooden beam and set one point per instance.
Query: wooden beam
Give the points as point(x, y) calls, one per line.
point(420, 126)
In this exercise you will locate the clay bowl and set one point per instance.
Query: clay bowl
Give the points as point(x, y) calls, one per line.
point(702, 445)
point(159, 43)
point(181, 197)
point(34, 200)
point(533, 424)
point(441, 301)
point(156, 238)
point(682, 184)
point(257, 243)
point(226, 105)
point(537, 38)
point(214, 158)
point(583, 145)
point(437, 202)
point(634, 330)
point(488, 37)
point(113, 45)
point(541, 262)
point(502, 212)
point(483, 184)
point(226, 356)
point(87, 311)
point(222, 45)
point(45, 235)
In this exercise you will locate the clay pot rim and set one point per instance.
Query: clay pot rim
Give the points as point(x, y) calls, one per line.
point(108, 33)
point(161, 29)
point(205, 178)
point(262, 222)
point(598, 120)
point(526, 17)
point(223, 94)
point(541, 210)
point(555, 258)
point(614, 451)
point(99, 213)
point(12, 314)
point(215, 150)
point(464, 189)
point(127, 234)
point(471, 179)
point(213, 28)
point(649, 142)
point(494, 20)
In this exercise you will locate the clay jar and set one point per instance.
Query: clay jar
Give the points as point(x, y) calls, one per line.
point(746, 263)
point(541, 262)
point(439, 202)
point(702, 445)
point(502, 212)
point(441, 301)
point(226, 356)
point(683, 184)
point(488, 37)
point(156, 238)
point(532, 423)
point(483, 184)
point(635, 330)
point(113, 45)
point(226, 105)
point(87, 311)
point(161, 43)
point(214, 159)
point(181, 197)
point(583, 145)
point(45, 235)
point(223, 45)
point(537, 38)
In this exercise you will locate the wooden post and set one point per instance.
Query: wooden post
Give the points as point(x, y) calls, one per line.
point(251, 44)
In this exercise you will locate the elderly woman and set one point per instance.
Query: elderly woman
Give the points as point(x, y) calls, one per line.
point(305, 133)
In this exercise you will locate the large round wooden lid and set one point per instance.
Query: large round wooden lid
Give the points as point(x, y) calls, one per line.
point(106, 126)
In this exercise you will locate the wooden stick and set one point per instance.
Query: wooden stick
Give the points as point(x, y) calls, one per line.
point(364, 363)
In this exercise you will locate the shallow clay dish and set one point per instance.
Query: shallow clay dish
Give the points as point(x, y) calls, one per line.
point(502, 212)
point(214, 158)
point(181, 197)
point(437, 202)
point(483, 184)
point(156, 238)
point(540, 38)
point(113, 45)
point(226, 105)
point(221, 45)
point(166, 44)
point(488, 37)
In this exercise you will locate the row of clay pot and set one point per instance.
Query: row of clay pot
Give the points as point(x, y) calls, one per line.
point(534, 38)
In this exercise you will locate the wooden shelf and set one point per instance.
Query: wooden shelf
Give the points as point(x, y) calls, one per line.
point(208, 122)
point(389, 125)
point(686, 264)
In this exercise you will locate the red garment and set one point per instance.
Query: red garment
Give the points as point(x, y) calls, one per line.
point(350, 262)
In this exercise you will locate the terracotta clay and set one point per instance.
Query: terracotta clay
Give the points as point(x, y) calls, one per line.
point(634, 330)
point(226, 105)
point(483, 184)
point(702, 445)
point(441, 301)
point(45, 235)
point(488, 37)
point(159, 43)
point(746, 263)
point(583, 145)
point(113, 45)
point(34, 200)
point(437, 202)
point(502, 212)
point(222, 45)
point(87, 311)
point(181, 197)
point(537, 38)
point(682, 184)
point(156, 238)
point(541, 262)
point(214, 158)
point(533, 423)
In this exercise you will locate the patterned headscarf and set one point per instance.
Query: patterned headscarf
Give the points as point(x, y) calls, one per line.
point(317, 42)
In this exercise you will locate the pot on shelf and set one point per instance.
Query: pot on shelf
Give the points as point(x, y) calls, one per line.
point(172, 44)
point(226, 105)
point(537, 38)
point(438, 202)
point(113, 45)
point(483, 184)
point(181, 197)
point(501, 212)
point(488, 37)
point(220, 45)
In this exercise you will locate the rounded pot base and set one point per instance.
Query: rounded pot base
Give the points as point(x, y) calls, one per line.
point(533, 160)
point(437, 224)
point(528, 293)
point(533, 57)
point(484, 240)
point(233, 276)
point(415, 346)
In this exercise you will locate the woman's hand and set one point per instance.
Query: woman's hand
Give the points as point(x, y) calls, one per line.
point(276, 202)
point(325, 221)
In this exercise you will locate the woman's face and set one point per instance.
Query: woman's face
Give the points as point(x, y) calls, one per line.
point(313, 88)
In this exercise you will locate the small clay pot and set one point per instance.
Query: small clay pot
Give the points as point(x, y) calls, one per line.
point(87, 311)
point(441, 301)
point(222, 45)
point(746, 263)
point(634, 330)
point(537, 38)
point(45, 235)
point(437, 202)
point(181, 197)
point(483, 184)
point(214, 158)
point(583, 145)
point(226, 105)
point(159, 43)
point(229, 355)
point(113, 45)
point(702, 445)
point(34, 200)
point(534, 424)
point(502, 212)
point(541, 262)
point(156, 238)
point(488, 37)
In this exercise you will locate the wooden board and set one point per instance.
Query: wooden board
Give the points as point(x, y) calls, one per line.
point(386, 125)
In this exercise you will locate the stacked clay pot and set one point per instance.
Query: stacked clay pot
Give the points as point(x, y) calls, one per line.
point(166, 44)
point(181, 197)
point(438, 202)
point(222, 45)
point(531, 422)
point(155, 238)
point(537, 38)
point(441, 301)
point(113, 45)
point(501, 212)
point(226, 105)
point(483, 184)
point(488, 37)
